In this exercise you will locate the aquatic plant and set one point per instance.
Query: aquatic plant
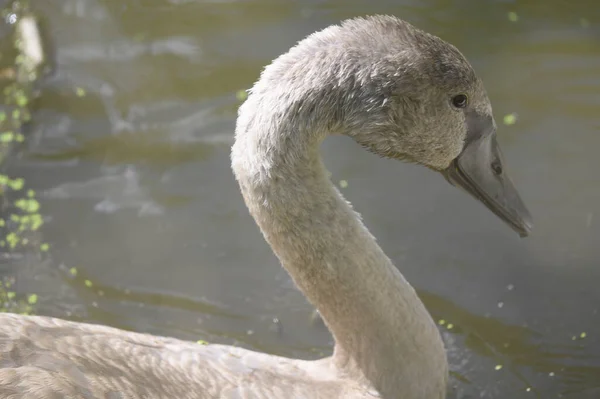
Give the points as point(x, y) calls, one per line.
point(21, 66)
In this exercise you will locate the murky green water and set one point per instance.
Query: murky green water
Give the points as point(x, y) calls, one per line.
point(128, 152)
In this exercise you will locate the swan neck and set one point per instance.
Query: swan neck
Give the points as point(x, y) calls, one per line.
point(383, 334)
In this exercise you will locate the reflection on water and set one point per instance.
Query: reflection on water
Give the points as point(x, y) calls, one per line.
point(129, 152)
point(516, 348)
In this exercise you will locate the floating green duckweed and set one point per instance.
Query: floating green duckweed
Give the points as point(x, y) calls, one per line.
point(510, 119)
point(32, 299)
point(35, 221)
point(512, 16)
point(7, 137)
point(343, 183)
point(21, 213)
point(202, 342)
point(21, 99)
point(16, 184)
point(29, 205)
point(498, 367)
point(583, 335)
point(79, 92)
point(88, 283)
point(13, 240)
point(241, 95)
point(44, 247)
point(73, 271)
point(11, 302)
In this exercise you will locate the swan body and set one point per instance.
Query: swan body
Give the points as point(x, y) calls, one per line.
point(400, 93)
point(43, 357)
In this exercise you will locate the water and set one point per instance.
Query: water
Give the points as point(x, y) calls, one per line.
point(134, 180)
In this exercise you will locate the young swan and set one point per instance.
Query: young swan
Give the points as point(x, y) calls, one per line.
point(402, 94)
point(397, 91)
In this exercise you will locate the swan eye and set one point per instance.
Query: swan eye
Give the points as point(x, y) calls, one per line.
point(497, 168)
point(460, 101)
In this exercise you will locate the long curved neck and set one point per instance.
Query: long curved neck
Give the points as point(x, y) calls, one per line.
point(384, 335)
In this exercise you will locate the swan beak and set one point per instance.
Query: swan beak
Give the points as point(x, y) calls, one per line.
point(480, 171)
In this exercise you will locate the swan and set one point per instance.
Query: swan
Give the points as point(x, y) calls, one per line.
point(397, 91)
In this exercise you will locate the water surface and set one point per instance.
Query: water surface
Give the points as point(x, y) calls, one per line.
point(134, 180)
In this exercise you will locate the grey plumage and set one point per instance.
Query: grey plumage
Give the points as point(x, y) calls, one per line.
point(378, 80)
point(46, 358)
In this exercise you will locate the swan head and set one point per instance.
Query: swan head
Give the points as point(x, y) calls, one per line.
point(400, 93)
point(416, 98)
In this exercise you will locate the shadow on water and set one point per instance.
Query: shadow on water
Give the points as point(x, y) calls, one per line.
point(144, 227)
